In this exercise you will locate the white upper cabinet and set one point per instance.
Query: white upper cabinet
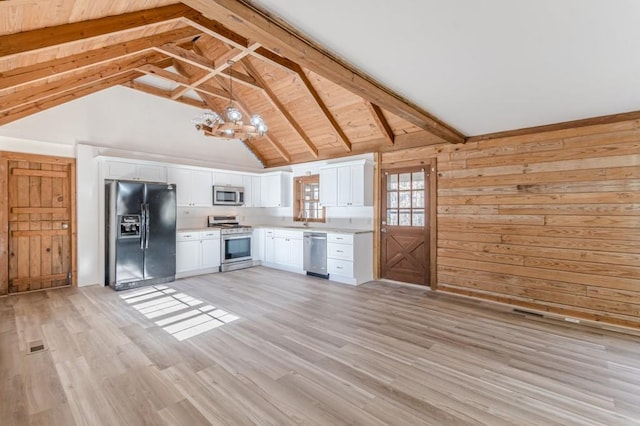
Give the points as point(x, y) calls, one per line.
point(193, 187)
point(256, 191)
point(328, 186)
point(227, 179)
point(124, 170)
point(347, 184)
point(276, 189)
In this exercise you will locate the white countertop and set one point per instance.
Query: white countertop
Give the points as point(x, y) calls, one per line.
point(290, 228)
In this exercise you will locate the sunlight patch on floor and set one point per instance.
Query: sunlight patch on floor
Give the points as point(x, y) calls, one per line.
point(178, 314)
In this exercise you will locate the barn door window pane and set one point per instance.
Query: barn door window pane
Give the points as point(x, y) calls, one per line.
point(405, 199)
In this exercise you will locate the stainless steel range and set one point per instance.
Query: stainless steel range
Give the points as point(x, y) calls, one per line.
point(235, 240)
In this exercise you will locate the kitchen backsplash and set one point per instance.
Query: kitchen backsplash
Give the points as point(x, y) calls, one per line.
point(337, 217)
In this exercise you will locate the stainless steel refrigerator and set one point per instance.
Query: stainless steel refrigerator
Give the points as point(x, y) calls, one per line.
point(140, 234)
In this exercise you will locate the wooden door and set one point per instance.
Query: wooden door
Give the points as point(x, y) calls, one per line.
point(40, 212)
point(404, 231)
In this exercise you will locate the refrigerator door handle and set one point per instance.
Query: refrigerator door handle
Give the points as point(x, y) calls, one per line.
point(143, 221)
point(146, 222)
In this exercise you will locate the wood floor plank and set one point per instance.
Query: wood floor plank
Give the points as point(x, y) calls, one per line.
point(282, 348)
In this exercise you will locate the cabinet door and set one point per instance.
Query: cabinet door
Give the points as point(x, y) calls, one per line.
point(247, 183)
point(281, 250)
point(344, 186)
point(120, 170)
point(329, 187)
point(296, 253)
point(257, 244)
point(151, 173)
point(201, 188)
point(182, 179)
point(187, 255)
point(256, 191)
point(357, 186)
point(210, 253)
point(269, 246)
point(271, 191)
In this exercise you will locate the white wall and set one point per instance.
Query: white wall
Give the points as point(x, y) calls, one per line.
point(120, 118)
point(90, 226)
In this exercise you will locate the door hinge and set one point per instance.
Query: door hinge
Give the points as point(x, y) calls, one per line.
point(69, 278)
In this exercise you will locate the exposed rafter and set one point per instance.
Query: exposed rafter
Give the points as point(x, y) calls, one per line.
point(42, 70)
point(255, 24)
point(283, 110)
point(312, 92)
point(271, 57)
point(381, 122)
point(36, 93)
point(245, 110)
point(13, 44)
point(64, 97)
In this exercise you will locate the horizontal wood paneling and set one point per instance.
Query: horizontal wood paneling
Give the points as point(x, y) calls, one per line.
point(547, 221)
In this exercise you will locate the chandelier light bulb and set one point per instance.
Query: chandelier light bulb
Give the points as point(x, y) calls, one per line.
point(233, 114)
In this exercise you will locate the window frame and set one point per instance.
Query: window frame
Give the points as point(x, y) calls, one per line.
point(298, 199)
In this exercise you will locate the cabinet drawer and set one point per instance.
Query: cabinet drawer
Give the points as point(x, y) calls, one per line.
point(209, 235)
point(340, 267)
point(340, 238)
point(292, 235)
point(187, 236)
point(340, 251)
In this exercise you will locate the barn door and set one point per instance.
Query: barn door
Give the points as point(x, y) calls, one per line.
point(40, 223)
point(404, 231)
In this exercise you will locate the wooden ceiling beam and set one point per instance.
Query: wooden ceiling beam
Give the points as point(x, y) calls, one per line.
point(283, 110)
point(381, 123)
point(245, 111)
point(278, 61)
point(13, 44)
point(37, 92)
point(42, 70)
point(162, 93)
point(151, 69)
point(64, 97)
point(247, 143)
point(256, 24)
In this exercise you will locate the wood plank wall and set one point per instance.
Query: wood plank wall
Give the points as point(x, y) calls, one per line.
point(547, 221)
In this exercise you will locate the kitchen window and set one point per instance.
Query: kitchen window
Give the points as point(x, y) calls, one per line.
point(307, 199)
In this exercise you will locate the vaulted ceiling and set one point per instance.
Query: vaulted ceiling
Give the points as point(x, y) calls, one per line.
point(316, 105)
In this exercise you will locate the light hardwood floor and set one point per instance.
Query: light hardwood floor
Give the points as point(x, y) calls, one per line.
point(305, 350)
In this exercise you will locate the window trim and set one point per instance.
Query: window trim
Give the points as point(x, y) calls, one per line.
point(298, 183)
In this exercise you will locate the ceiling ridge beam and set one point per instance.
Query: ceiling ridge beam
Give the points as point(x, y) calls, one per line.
point(43, 70)
point(381, 123)
point(17, 43)
point(66, 96)
point(257, 24)
point(35, 93)
point(283, 110)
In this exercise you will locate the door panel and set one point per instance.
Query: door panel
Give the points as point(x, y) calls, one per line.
point(404, 237)
point(39, 223)
point(129, 255)
point(160, 255)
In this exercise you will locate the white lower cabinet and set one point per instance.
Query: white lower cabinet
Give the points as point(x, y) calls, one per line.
point(283, 249)
point(350, 257)
point(197, 252)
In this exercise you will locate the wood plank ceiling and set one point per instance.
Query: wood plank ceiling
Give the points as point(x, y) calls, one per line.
point(316, 105)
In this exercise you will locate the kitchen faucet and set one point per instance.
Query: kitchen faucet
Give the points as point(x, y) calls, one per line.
point(305, 215)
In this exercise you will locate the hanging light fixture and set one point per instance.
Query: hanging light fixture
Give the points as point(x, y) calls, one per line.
point(228, 124)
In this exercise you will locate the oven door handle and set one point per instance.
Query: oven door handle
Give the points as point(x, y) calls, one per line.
point(235, 237)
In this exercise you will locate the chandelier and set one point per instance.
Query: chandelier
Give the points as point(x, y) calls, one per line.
point(228, 124)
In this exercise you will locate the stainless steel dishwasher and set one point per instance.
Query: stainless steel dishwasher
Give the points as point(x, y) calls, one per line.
point(315, 254)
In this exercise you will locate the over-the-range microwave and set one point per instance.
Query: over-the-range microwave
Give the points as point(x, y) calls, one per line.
point(228, 195)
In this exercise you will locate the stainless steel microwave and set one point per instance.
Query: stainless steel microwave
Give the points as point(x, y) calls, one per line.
point(228, 195)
